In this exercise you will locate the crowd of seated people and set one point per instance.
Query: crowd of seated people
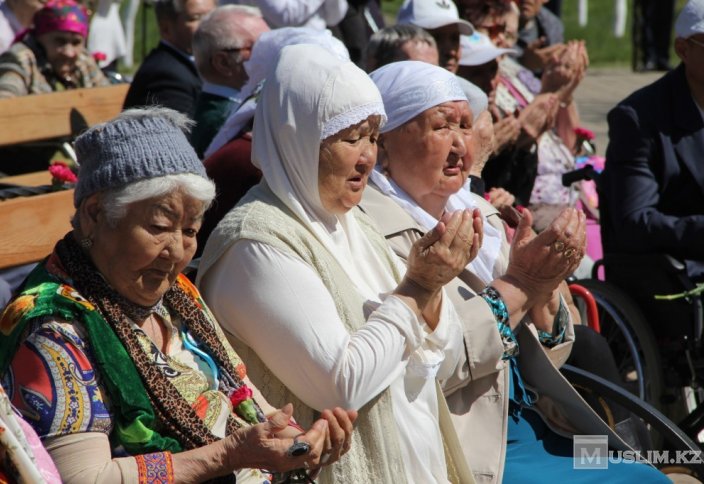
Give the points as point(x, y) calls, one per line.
point(381, 253)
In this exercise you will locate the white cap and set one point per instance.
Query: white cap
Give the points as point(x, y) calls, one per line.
point(690, 20)
point(477, 49)
point(432, 14)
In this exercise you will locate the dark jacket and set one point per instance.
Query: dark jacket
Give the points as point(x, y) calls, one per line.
point(210, 113)
point(167, 78)
point(652, 189)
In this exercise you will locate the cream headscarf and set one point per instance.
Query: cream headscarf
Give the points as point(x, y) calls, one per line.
point(309, 96)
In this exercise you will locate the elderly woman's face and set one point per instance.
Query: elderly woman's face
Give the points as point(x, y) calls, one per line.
point(62, 50)
point(346, 159)
point(143, 254)
point(424, 155)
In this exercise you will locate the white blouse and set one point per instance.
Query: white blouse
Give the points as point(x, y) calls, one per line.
point(278, 305)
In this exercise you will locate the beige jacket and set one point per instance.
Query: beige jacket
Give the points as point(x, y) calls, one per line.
point(476, 393)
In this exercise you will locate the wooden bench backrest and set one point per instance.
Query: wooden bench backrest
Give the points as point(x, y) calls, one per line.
point(45, 116)
point(31, 226)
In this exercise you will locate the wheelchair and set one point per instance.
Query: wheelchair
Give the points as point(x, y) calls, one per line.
point(657, 341)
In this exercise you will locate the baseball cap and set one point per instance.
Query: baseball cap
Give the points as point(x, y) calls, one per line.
point(690, 20)
point(477, 49)
point(432, 14)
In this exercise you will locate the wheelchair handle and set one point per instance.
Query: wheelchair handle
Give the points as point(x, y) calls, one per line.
point(587, 172)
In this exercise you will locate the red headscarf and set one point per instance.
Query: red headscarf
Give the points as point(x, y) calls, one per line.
point(63, 15)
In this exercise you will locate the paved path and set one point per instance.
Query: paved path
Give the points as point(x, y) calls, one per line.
point(603, 88)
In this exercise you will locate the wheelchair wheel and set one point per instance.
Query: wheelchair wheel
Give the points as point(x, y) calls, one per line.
point(630, 338)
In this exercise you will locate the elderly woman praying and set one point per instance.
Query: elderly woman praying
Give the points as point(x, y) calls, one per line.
point(325, 312)
point(111, 354)
point(511, 407)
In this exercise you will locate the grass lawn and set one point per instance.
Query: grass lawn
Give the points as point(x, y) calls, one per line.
point(604, 47)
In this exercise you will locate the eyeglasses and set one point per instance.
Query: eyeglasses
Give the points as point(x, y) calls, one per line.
point(695, 42)
point(236, 49)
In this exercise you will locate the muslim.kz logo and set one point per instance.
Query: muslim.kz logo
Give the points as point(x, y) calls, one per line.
point(590, 452)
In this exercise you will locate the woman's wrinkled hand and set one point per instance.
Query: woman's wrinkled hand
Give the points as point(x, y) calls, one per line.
point(340, 428)
point(441, 254)
point(538, 263)
point(537, 117)
point(506, 130)
point(536, 55)
point(258, 447)
point(482, 143)
point(564, 72)
point(500, 198)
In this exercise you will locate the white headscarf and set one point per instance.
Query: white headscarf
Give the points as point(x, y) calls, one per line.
point(424, 86)
point(408, 88)
point(265, 54)
point(309, 96)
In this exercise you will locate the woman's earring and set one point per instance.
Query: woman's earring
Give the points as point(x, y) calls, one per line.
point(86, 243)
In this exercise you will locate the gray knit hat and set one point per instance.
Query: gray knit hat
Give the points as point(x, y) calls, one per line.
point(136, 145)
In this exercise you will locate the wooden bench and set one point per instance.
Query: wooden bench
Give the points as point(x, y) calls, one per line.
point(58, 114)
point(30, 226)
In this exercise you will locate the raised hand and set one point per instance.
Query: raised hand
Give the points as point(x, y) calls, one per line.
point(536, 55)
point(441, 254)
point(538, 263)
point(482, 144)
point(500, 198)
point(564, 72)
point(538, 116)
point(506, 130)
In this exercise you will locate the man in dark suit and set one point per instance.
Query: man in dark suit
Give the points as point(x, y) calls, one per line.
point(653, 184)
point(168, 75)
point(221, 45)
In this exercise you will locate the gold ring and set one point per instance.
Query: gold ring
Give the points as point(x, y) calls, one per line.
point(558, 245)
point(569, 253)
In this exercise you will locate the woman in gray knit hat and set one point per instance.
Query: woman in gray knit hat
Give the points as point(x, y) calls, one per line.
point(111, 353)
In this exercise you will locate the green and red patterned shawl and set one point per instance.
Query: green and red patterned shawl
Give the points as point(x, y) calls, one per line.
point(150, 413)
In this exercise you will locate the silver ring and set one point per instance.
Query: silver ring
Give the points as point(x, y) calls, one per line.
point(325, 458)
